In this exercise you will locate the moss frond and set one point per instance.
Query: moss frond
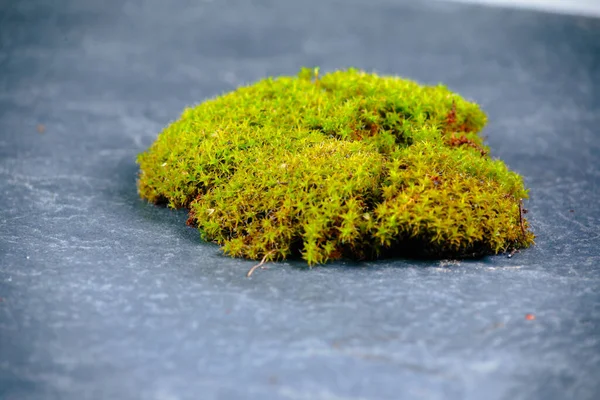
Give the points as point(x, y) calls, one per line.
point(343, 164)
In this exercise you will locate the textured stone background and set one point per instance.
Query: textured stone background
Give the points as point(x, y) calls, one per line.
point(106, 297)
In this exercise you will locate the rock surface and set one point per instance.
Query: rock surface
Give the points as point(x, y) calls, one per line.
point(103, 296)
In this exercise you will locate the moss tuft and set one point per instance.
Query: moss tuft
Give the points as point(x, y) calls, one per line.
point(344, 164)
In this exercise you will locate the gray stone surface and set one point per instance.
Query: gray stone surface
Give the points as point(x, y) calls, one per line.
point(106, 297)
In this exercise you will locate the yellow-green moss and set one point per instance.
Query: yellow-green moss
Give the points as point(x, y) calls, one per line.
point(347, 164)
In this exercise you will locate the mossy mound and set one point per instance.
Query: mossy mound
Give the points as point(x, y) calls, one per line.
point(347, 164)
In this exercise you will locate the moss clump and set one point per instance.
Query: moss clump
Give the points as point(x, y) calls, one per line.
point(347, 164)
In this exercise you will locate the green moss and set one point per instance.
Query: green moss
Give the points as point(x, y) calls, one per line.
point(347, 164)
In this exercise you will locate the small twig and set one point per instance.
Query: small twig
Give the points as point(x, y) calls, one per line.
point(521, 212)
point(259, 265)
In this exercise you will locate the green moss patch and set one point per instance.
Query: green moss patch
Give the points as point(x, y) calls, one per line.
point(346, 164)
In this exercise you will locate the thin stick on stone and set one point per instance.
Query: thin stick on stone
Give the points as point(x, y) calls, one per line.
point(259, 265)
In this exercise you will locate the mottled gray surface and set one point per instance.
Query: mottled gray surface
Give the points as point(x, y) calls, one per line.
point(106, 297)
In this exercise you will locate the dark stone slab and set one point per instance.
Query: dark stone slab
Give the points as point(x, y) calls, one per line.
point(106, 297)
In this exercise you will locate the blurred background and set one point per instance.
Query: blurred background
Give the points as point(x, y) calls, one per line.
point(577, 7)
